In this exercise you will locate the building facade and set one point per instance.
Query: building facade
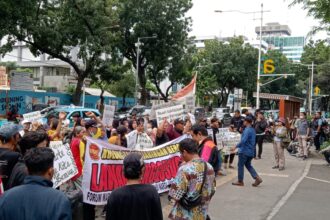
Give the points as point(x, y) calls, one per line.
point(278, 37)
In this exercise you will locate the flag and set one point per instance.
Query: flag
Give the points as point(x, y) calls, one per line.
point(188, 90)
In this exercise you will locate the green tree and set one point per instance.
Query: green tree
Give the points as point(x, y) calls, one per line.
point(56, 27)
point(125, 87)
point(226, 66)
point(319, 9)
point(165, 19)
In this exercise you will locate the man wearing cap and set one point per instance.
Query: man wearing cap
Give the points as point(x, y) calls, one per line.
point(246, 150)
point(175, 131)
point(9, 137)
point(135, 201)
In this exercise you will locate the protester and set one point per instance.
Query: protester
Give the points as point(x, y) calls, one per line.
point(303, 131)
point(215, 125)
point(36, 199)
point(151, 132)
point(260, 126)
point(161, 135)
point(246, 149)
point(76, 119)
point(26, 127)
point(317, 130)
point(207, 149)
point(236, 123)
point(292, 128)
point(135, 201)
point(203, 122)
point(92, 131)
point(120, 137)
point(30, 140)
point(54, 132)
point(176, 130)
point(132, 125)
point(280, 132)
point(78, 134)
point(9, 138)
point(195, 178)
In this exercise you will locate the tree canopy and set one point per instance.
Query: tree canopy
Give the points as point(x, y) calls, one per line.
point(57, 27)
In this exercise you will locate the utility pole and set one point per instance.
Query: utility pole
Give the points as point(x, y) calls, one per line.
point(259, 58)
point(311, 90)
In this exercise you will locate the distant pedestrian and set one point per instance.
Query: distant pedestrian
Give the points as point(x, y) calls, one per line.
point(36, 199)
point(317, 130)
point(135, 201)
point(246, 149)
point(280, 133)
point(193, 186)
point(260, 125)
point(303, 131)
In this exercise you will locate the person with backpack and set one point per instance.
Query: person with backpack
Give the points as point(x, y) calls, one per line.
point(207, 149)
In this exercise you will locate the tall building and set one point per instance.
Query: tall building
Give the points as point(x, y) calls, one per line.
point(279, 38)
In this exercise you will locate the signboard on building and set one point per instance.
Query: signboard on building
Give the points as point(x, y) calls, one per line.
point(21, 81)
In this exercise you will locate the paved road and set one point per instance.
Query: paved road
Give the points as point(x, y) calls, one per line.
point(281, 195)
point(301, 191)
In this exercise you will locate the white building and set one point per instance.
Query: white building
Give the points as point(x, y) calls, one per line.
point(47, 72)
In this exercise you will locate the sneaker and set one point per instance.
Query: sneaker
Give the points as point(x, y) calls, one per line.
point(305, 158)
point(275, 167)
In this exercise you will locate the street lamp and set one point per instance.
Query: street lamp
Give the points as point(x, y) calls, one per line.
point(138, 44)
point(260, 45)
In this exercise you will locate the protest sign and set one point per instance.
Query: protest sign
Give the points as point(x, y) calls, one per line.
point(103, 169)
point(226, 140)
point(32, 116)
point(131, 139)
point(190, 103)
point(143, 142)
point(108, 114)
point(64, 166)
point(192, 118)
point(154, 108)
point(170, 113)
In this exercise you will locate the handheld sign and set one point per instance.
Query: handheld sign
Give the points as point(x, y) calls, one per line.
point(64, 165)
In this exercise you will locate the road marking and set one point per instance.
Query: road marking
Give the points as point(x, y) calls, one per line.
point(286, 197)
point(274, 175)
point(320, 180)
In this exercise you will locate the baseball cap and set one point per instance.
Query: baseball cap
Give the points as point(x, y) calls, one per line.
point(134, 161)
point(9, 130)
point(91, 123)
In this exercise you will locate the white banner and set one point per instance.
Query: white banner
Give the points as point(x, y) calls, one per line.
point(64, 166)
point(32, 116)
point(108, 114)
point(170, 113)
point(227, 140)
point(131, 139)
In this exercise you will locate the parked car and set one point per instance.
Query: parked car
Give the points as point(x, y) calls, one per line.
point(70, 110)
point(138, 110)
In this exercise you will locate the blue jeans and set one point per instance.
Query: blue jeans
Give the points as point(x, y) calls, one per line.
point(244, 160)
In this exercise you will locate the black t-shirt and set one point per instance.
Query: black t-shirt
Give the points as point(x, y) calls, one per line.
point(134, 202)
point(8, 159)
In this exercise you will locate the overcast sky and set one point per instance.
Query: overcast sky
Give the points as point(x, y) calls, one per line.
point(206, 22)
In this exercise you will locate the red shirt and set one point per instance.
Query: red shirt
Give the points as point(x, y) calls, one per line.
point(76, 156)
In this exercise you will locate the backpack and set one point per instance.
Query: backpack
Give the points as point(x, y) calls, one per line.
point(214, 159)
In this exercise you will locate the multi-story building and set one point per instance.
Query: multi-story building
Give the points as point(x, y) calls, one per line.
point(279, 38)
point(46, 71)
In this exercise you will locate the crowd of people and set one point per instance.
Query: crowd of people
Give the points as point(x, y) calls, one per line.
point(27, 162)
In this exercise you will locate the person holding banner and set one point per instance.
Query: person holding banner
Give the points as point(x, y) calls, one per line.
point(191, 193)
point(135, 201)
point(36, 199)
point(246, 150)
